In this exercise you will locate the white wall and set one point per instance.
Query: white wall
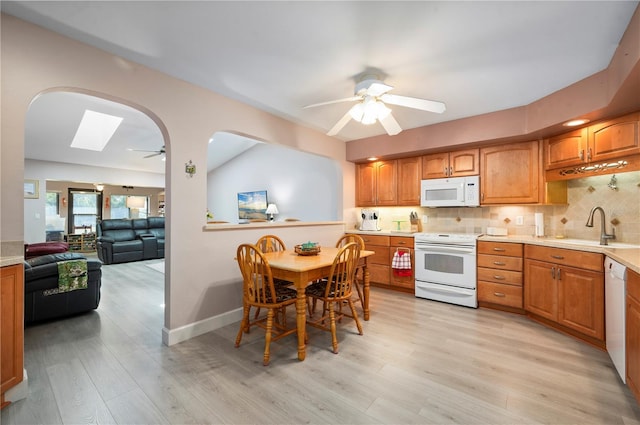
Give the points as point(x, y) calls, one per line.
point(302, 185)
point(35, 60)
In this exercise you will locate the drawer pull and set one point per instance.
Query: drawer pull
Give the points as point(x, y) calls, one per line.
point(499, 263)
point(402, 243)
point(499, 294)
point(499, 249)
point(497, 277)
point(558, 257)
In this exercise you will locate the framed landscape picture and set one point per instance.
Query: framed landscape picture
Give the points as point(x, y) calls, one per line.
point(252, 205)
point(31, 189)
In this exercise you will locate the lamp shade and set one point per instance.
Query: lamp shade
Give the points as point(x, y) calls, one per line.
point(272, 209)
point(135, 201)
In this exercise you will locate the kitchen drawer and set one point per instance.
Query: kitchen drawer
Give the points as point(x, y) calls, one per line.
point(500, 262)
point(401, 241)
point(506, 277)
point(568, 257)
point(496, 293)
point(375, 240)
point(500, 248)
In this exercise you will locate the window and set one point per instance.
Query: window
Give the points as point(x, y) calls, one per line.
point(85, 210)
point(52, 206)
point(128, 206)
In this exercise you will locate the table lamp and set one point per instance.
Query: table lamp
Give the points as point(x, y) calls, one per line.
point(271, 210)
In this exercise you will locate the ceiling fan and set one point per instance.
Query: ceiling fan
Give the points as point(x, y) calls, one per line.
point(152, 154)
point(372, 94)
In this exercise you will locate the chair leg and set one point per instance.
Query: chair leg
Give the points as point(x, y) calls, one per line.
point(244, 325)
point(267, 337)
point(355, 315)
point(332, 321)
point(255, 317)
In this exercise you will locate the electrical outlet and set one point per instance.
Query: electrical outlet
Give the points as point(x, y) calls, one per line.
point(519, 220)
point(425, 219)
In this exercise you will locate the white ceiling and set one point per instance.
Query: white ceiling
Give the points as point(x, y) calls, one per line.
point(278, 56)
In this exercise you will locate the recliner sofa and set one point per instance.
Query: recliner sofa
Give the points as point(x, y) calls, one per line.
point(125, 240)
point(41, 300)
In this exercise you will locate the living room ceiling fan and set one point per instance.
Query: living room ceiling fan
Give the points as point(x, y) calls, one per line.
point(372, 94)
point(152, 153)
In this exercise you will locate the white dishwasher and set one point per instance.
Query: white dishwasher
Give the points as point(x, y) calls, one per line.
point(614, 296)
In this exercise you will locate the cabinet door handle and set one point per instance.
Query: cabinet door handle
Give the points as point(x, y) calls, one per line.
point(558, 275)
point(499, 263)
point(553, 273)
point(558, 257)
point(499, 249)
point(450, 171)
point(589, 154)
point(498, 277)
point(499, 294)
point(445, 171)
point(581, 154)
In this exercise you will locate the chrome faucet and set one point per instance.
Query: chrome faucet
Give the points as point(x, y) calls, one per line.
point(604, 236)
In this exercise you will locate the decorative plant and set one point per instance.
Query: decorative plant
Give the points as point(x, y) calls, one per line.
point(209, 215)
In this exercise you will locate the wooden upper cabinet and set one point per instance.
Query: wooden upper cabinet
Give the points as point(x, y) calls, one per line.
point(614, 138)
point(376, 184)
point(606, 140)
point(510, 173)
point(566, 149)
point(451, 164)
point(409, 176)
point(366, 184)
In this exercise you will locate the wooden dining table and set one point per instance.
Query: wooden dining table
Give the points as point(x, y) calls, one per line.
point(303, 269)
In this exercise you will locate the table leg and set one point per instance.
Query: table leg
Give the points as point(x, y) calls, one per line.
point(365, 290)
point(301, 320)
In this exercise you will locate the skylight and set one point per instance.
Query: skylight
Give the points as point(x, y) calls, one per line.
point(95, 130)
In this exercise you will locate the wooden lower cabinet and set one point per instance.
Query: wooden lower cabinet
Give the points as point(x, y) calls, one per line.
point(633, 333)
point(500, 275)
point(568, 297)
point(379, 264)
point(11, 328)
point(402, 243)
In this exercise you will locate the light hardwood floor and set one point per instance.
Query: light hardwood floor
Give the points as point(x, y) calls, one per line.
point(418, 362)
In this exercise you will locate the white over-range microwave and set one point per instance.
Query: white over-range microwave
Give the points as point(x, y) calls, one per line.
point(450, 192)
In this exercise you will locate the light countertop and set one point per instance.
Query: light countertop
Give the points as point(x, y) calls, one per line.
point(629, 255)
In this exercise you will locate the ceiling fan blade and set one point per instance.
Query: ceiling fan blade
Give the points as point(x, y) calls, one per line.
point(414, 102)
point(340, 124)
point(346, 99)
point(390, 125)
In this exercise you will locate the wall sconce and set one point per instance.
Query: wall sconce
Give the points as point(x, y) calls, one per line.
point(64, 202)
point(99, 187)
point(190, 168)
point(271, 210)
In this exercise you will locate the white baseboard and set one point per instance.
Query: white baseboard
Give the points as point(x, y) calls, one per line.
point(21, 390)
point(183, 333)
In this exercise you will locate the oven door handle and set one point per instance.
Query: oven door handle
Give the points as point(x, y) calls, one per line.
point(443, 289)
point(443, 249)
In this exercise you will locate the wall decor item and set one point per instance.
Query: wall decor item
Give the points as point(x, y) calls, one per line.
point(31, 189)
point(190, 168)
point(252, 205)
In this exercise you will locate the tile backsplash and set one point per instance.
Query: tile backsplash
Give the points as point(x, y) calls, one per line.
point(619, 198)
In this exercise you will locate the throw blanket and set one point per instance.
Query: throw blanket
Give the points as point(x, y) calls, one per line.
point(72, 275)
point(401, 263)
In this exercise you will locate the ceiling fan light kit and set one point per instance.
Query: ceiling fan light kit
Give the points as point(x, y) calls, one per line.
point(372, 96)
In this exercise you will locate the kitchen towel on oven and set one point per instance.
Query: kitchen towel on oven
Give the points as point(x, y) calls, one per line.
point(401, 263)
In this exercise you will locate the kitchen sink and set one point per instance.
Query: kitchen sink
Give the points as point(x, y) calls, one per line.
point(587, 242)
